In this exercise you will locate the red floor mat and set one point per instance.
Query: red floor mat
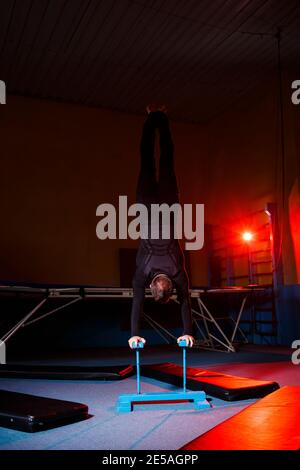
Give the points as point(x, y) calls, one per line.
point(270, 424)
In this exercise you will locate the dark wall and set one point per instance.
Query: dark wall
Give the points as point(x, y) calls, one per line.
point(58, 163)
point(289, 314)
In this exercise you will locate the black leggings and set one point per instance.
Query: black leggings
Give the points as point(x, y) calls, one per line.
point(149, 190)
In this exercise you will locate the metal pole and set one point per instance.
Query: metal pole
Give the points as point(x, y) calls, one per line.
point(138, 381)
point(236, 326)
point(184, 368)
point(22, 322)
point(53, 311)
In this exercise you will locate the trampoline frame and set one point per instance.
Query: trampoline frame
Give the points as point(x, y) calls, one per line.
point(203, 318)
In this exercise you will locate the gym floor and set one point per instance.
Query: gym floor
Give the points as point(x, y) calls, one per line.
point(159, 427)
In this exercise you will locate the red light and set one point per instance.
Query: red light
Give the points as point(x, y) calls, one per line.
point(247, 236)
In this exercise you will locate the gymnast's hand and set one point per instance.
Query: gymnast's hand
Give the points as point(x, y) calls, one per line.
point(188, 338)
point(135, 339)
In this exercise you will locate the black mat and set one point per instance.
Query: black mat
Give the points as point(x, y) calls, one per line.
point(216, 384)
point(30, 413)
point(272, 423)
point(64, 372)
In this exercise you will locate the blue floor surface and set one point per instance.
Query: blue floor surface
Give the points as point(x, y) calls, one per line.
point(159, 427)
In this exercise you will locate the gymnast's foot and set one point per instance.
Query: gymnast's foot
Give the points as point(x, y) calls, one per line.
point(151, 108)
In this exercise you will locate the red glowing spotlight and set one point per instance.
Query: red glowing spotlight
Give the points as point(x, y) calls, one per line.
point(247, 236)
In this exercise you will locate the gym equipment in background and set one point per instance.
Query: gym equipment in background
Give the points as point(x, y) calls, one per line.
point(65, 372)
point(215, 384)
point(31, 413)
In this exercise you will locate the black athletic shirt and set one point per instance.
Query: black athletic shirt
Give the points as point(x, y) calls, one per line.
point(155, 257)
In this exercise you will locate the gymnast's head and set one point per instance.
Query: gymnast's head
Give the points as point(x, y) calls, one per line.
point(161, 288)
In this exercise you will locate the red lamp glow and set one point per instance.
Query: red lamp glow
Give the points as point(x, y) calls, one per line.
point(247, 236)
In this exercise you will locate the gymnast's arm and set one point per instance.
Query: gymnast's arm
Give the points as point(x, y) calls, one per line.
point(183, 297)
point(136, 309)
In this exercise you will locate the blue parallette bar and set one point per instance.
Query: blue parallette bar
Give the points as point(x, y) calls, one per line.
point(184, 368)
point(138, 375)
point(183, 345)
point(137, 347)
point(126, 402)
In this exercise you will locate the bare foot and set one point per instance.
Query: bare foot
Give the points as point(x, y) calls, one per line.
point(156, 107)
point(151, 108)
point(162, 108)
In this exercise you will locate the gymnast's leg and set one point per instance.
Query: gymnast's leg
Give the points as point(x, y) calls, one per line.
point(147, 187)
point(168, 189)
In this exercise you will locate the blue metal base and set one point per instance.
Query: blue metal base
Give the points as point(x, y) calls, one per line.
point(125, 402)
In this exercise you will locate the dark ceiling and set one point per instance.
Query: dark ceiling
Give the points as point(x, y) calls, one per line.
point(197, 56)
